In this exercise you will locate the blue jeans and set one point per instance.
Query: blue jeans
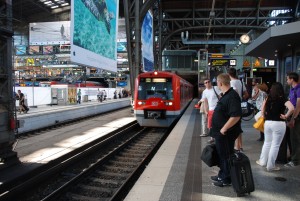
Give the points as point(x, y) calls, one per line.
point(223, 144)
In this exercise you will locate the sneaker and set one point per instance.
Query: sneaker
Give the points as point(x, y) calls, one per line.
point(273, 169)
point(290, 164)
point(258, 163)
point(215, 178)
point(204, 135)
point(221, 183)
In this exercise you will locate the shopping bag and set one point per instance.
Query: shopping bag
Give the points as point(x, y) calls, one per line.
point(259, 125)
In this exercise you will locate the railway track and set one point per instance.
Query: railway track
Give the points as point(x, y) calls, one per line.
point(104, 171)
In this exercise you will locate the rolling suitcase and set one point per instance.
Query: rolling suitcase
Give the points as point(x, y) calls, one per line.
point(241, 174)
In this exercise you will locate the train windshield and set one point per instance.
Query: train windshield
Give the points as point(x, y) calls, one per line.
point(155, 87)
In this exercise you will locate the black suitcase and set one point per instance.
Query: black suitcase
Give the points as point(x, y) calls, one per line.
point(241, 174)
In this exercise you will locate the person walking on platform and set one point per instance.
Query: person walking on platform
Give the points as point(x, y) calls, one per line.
point(79, 96)
point(203, 111)
point(258, 97)
point(226, 127)
point(104, 95)
point(22, 105)
point(211, 95)
point(100, 96)
point(274, 128)
point(294, 123)
point(238, 86)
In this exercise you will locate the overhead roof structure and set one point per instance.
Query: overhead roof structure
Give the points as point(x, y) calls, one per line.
point(276, 40)
point(220, 21)
point(209, 21)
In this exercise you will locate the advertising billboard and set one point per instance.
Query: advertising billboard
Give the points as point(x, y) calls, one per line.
point(147, 43)
point(20, 49)
point(94, 28)
point(47, 49)
point(49, 33)
point(34, 49)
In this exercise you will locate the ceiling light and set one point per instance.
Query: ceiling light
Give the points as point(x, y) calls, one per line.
point(54, 6)
point(65, 4)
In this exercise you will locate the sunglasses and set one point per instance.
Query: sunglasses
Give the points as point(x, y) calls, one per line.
point(206, 82)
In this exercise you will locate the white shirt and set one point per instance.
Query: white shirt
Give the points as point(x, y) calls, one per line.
point(237, 86)
point(211, 97)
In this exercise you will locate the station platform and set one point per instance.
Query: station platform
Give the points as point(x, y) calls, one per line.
point(45, 115)
point(177, 173)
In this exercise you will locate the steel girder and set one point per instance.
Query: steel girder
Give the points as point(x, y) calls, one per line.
point(223, 24)
point(226, 24)
point(7, 103)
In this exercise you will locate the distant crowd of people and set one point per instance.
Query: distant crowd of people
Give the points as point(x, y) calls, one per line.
point(221, 116)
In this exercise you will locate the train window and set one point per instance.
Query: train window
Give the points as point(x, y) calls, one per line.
point(155, 87)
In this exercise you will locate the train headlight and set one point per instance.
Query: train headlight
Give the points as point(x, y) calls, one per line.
point(141, 103)
point(168, 103)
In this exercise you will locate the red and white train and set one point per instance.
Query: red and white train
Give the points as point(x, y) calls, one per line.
point(160, 97)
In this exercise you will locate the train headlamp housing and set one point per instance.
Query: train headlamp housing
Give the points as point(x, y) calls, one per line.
point(141, 103)
point(169, 103)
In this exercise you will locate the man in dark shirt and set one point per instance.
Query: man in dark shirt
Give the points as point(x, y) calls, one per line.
point(226, 126)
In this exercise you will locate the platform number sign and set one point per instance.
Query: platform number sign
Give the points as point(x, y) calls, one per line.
point(232, 62)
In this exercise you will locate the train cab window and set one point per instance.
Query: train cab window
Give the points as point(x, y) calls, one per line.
point(155, 87)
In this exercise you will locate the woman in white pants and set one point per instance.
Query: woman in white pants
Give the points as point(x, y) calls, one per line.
point(275, 126)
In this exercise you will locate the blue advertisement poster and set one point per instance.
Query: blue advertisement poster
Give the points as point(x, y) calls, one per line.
point(147, 43)
point(94, 33)
point(20, 49)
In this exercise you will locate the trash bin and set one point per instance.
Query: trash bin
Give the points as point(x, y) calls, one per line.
point(85, 98)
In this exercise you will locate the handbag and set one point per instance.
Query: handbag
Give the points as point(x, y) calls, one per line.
point(258, 114)
point(210, 155)
point(259, 125)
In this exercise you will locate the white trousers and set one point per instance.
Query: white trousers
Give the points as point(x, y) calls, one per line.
point(274, 133)
point(204, 123)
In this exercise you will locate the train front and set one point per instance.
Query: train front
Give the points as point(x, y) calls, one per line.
point(155, 100)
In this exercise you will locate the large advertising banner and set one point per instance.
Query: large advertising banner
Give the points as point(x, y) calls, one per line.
point(49, 33)
point(94, 30)
point(147, 43)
